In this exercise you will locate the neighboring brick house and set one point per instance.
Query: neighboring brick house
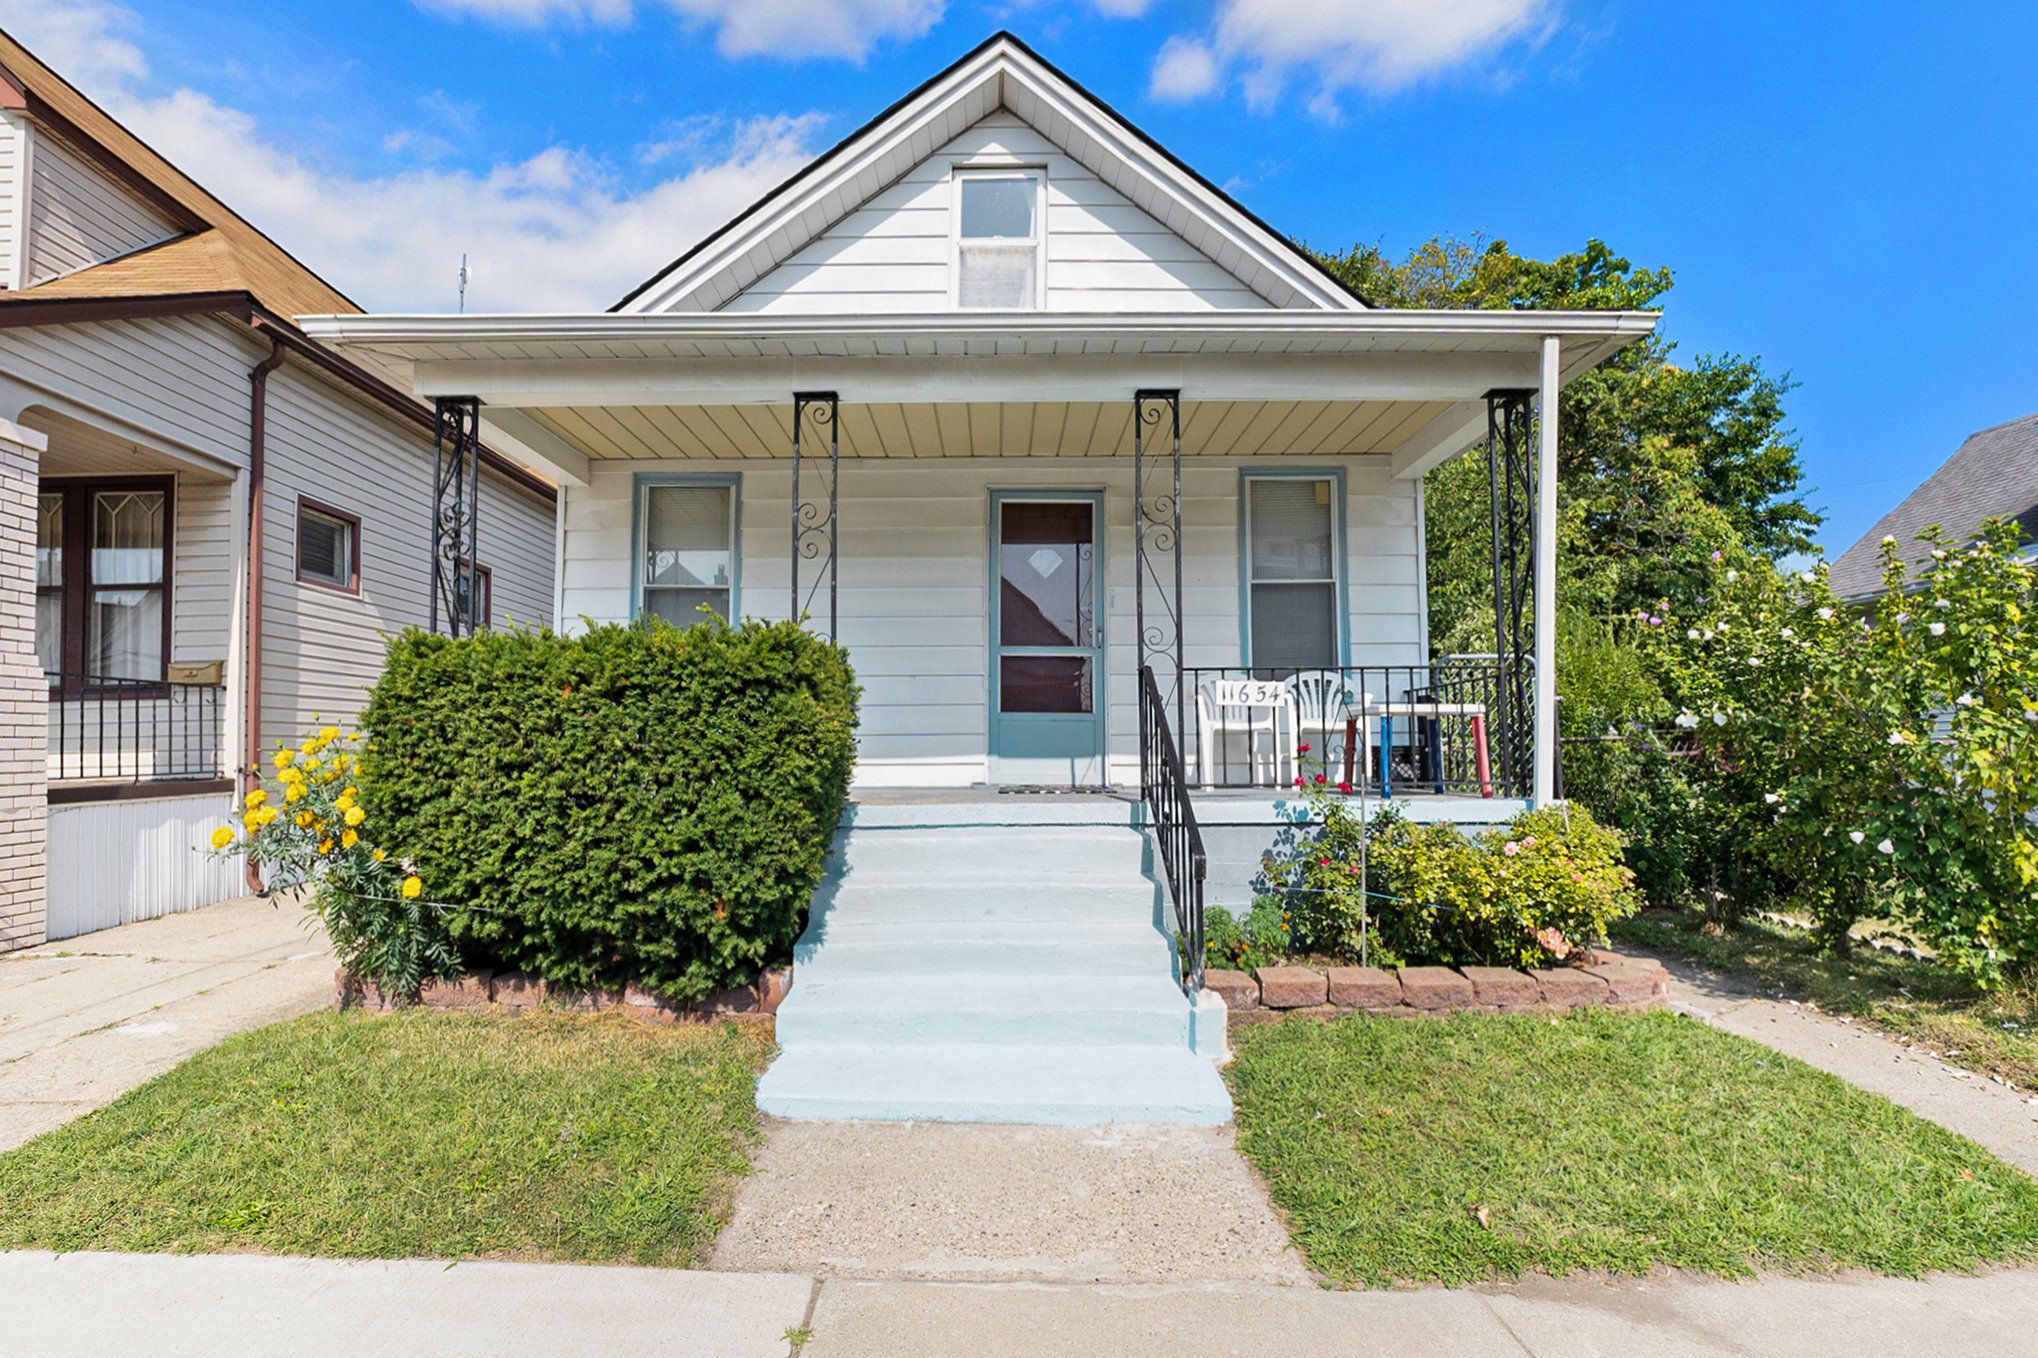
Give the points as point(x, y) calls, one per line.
point(1993, 475)
point(156, 399)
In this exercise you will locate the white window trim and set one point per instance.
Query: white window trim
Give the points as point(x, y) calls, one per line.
point(960, 174)
point(1336, 578)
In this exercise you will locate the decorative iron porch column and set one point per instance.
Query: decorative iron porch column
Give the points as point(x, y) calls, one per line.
point(456, 512)
point(813, 524)
point(1157, 536)
point(1512, 482)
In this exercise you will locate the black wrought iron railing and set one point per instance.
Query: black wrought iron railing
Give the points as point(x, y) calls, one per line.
point(1382, 730)
point(1165, 788)
point(134, 730)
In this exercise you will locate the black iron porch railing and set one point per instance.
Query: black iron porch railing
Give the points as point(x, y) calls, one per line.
point(1165, 788)
point(134, 730)
point(1380, 730)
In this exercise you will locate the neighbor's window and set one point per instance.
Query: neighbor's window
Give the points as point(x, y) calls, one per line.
point(998, 239)
point(102, 575)
point(1291, 572)
point(328, 547)
point(484, 591)
point(687, 556)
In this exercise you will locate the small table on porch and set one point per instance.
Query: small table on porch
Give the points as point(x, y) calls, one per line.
point(1387, 712)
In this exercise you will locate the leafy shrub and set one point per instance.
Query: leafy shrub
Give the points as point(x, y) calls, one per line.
point(1878, 764)
point(308, 829)
point(638, 803)
point(1531, 893)
point(1261, 939)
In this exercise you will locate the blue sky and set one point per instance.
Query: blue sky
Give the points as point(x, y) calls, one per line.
point(1844, 189)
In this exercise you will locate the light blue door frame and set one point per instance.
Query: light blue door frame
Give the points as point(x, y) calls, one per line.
point(1061, 748)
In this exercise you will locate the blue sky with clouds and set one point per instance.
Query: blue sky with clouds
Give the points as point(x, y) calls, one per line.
point(1845, 189)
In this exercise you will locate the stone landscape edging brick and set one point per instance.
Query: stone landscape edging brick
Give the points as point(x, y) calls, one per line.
point(1609, 980)
point(512, 992)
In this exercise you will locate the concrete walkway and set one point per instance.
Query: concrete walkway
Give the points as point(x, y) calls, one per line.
point(1992, 1115)
point(85, 1020)
point(168, 1306)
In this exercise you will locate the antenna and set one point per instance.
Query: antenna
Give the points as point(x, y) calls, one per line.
point(465, 274)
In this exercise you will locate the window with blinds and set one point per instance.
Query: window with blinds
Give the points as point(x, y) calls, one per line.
point(687, 556)
point(327, 548)
point(998, 240)
point(1291, 566)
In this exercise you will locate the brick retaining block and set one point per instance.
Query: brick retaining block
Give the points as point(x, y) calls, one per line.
point(510, 992)
point(1611, 981)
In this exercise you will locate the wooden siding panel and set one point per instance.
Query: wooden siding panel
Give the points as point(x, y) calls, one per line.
point(915, 582)
point(13, 173)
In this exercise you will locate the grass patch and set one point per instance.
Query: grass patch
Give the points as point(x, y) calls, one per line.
point(1454, 1150)
point(1912, 998)
point(545, 1136)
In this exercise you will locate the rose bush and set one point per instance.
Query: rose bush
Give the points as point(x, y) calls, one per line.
point(1879, 761)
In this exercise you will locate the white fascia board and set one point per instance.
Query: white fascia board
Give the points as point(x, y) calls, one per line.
point(1215, 330)
point(1019, 379)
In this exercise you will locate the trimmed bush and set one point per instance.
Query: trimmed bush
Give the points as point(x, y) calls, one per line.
point(639, 803)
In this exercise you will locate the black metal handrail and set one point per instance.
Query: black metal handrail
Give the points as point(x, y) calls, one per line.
point(105, 729)
point(1444, 727)
point(1165, 788)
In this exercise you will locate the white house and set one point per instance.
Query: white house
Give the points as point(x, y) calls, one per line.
point(1102, 481)
point(208, 522)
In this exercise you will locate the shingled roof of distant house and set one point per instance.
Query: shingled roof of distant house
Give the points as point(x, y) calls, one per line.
point(222, 251)
point(1994, 475)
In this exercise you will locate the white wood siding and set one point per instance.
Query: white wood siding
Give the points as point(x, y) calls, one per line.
point(915, 578)
point(204, 561)
point(892, 253)
point(13, 181)
point(323, 648)
point(116, 862)
point(78, 215)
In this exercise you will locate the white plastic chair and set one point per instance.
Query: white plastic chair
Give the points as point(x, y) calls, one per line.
point(1323, 700)
point(1255, 711)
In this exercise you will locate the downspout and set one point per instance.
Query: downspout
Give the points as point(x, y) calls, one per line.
point(251, 699)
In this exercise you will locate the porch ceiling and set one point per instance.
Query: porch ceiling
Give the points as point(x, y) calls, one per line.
point(990, 429)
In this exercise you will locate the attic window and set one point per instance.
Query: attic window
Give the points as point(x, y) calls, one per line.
point(998, 239)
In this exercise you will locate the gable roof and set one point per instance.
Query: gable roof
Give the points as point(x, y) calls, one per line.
point(221, 245)
point(1002, 72)
point(1993, 475)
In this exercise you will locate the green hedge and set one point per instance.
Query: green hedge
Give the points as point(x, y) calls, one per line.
point(638, 803)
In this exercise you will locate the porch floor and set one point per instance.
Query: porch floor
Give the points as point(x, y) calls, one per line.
point(983, 804)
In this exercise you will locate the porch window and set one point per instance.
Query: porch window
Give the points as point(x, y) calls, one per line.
point(998, 239)
point(687, 550)
point(102, 576)
point(1292, 572)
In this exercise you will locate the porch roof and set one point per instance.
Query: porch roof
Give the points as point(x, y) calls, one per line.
point(579, 388)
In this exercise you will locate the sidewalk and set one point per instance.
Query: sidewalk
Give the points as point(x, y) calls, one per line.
point(85, 1020)
point(172, 1305)
point(1993, 1116)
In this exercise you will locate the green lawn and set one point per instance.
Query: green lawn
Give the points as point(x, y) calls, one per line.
point(543, 1136)
point(1996, 1034)
point(1452, 1150)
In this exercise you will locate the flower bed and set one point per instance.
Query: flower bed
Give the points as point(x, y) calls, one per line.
point(1610, 980)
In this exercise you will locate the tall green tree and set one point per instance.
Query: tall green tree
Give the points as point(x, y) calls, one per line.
point(1659, 465)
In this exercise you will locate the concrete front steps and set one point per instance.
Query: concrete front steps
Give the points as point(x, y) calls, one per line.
point(957, 971)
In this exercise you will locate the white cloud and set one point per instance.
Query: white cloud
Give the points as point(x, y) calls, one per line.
point(84, 41)
point(1121, 9)
point(1333, 46)
point(1183, 69)
point(793, 29)
point(556, 231)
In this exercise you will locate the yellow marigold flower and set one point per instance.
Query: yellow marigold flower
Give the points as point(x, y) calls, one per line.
point(293, 792)
point(292, 774)
point(380, 854)
point(265, 814)
point(348, 839)
point(250, 825)
point(304, 820)
point(255, 799)
point(283, 759)
point(325, 846)
point(413, 887)
point(222, 837)
point(354, 815)
point(328, 734)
